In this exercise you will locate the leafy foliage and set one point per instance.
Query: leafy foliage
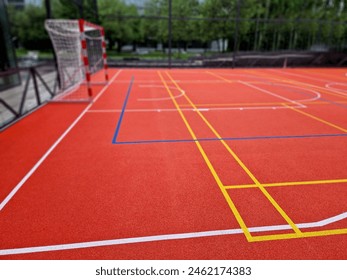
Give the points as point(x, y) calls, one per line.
point(28, 28)
point(256, 24)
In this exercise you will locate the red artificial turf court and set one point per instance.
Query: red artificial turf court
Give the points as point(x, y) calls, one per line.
point(182, 164)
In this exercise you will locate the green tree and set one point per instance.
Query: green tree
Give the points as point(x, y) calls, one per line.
point(65, 9)
point(29, 27)
point(72, 9)
point(184, 30)
point(154, 28)
point(119, 27)
point(221, 24)
point(12, 17)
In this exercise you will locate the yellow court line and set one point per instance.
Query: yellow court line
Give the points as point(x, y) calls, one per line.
point(307, 114)
point(238, 160)
point(327, 75)
point(287, 184)
point(209, 164)
point(259, 104)
point(236, 104)
point(320, 102)
point(218, 76)
point(302, 235)
point(294, 82)
point(316, 118)
point(322, 89)
point(200, 81)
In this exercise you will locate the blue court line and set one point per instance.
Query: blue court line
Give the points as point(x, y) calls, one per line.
point(114, 140)
point(231, 138)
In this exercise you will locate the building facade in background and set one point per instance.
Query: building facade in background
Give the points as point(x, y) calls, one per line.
point(20, 4)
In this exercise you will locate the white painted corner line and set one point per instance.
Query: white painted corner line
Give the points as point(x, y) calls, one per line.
point(273, 94)
point(182, 93)
point(165, 237)
point(51, 149)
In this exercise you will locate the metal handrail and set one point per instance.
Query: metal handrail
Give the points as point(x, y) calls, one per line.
point(40, 86)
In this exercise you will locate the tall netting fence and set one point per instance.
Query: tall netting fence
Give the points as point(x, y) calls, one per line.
point(215, 33)
point(166, 33)
point(233, 33)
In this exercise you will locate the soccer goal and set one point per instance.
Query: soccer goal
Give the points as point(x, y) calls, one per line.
point(80, 50)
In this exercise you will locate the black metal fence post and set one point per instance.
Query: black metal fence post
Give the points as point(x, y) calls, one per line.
point(21, 107)
point(170, 33)
point(48, 9)
point(96, 11)
point(37, 93)
point(236, 33)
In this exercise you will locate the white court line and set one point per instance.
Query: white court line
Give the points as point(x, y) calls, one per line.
point(299, 75)
point(219, 108)
point(160, 98)
point(328, 85)
point(254, 108)
point(178, 81)
point(194, 110)
point(314, 98)
point(50, 150)
point(250, 76)
point(273, 94)
point(165, 237)
point(308, 77)
point(138, 110)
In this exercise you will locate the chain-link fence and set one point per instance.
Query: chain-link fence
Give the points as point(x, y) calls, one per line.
point(211, 33)
point(225, 33)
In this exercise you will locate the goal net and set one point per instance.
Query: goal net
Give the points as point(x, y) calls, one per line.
point(80, 50)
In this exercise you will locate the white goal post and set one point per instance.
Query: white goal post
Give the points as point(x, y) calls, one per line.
point(80, 50)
